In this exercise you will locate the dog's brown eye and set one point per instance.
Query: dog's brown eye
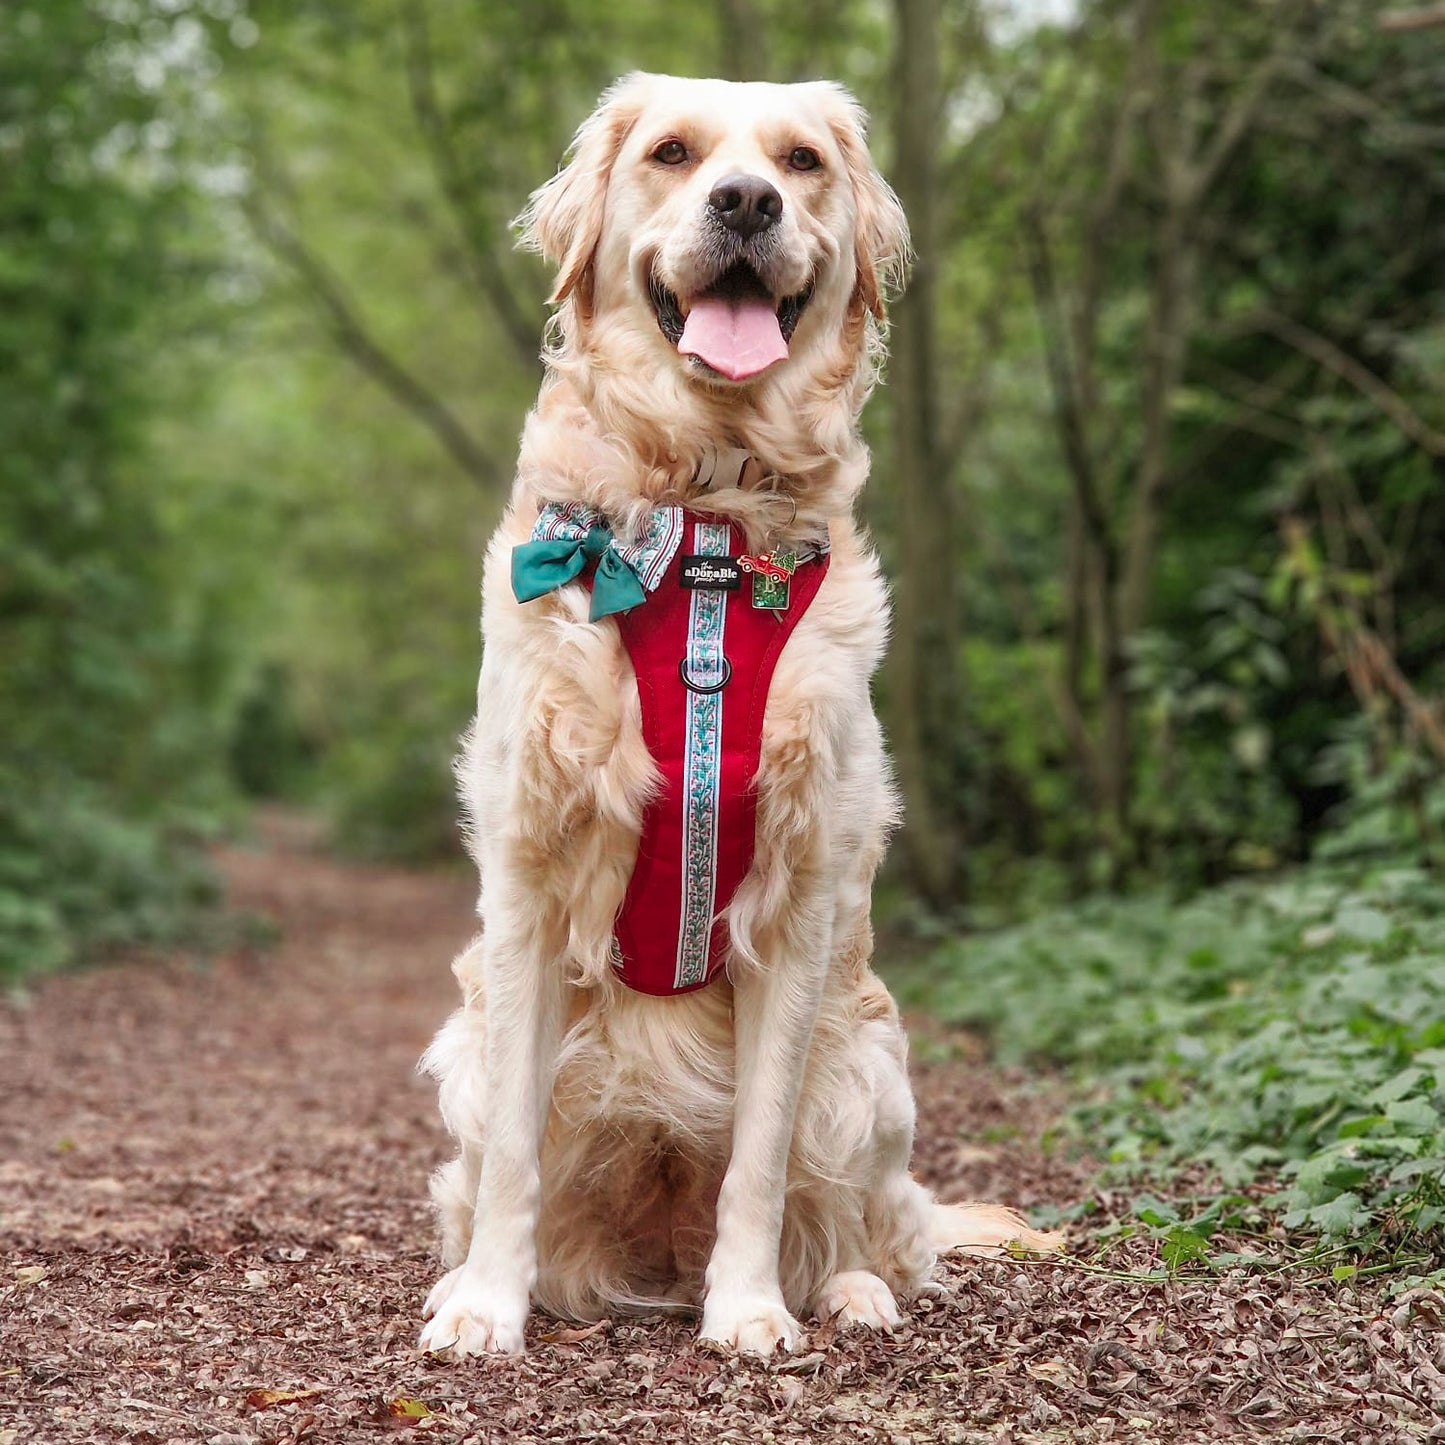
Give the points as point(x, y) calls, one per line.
point(670, 153)
point(805, 158)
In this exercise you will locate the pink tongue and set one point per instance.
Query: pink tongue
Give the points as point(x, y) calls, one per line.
point(737, 337)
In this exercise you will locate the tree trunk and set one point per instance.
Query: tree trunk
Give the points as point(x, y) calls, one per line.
point(1166, 347)
point(744, 41)
point(924, 691)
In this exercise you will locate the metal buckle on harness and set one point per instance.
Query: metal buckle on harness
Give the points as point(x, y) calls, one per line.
point(707, 689)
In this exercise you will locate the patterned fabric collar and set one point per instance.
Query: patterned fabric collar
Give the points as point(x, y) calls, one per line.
point(568, 536)
point(648, 557)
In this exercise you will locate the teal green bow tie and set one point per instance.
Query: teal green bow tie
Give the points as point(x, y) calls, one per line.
point(542, 566)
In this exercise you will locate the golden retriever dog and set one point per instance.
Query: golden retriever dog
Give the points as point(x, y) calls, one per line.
point(723, 254)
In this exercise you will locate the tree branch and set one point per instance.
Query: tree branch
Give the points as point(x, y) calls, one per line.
point(1324, 351)
point(1360, 105)
point(1093, 562)
point(1067, 414)
point(476, 229)
point(1167, 335)
point(352, 336)
point(1137, 99)
point(1413, 19)
point(1137, 94)
point(1368, 663)
point(1256, 412)
point(1189, 180)
point(1234, 127)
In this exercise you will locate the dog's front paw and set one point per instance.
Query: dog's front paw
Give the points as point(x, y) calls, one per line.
point(441, 1292)
point(752, 1324)
point(857, 1297)
point(471, 1318)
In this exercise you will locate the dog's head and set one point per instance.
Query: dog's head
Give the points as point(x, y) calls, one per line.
point(727, 232)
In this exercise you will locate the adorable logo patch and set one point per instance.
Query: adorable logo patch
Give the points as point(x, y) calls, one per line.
point(710, 574)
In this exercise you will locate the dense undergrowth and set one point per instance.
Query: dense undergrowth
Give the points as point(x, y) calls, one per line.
point(80, 883)
point(1287, 1035)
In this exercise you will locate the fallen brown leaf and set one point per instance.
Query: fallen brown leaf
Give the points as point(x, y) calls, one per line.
point(570, 1335)
point(264, 1399)
point(808, 1364)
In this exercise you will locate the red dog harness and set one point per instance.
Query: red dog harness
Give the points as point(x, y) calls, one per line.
point(703, 646)
point(704, 659)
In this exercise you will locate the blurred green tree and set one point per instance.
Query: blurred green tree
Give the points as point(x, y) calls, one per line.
point(109, 660)
point(1157, 478)
point(1082, 370)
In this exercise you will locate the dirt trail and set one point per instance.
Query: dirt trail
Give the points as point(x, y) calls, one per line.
point(212, 1190)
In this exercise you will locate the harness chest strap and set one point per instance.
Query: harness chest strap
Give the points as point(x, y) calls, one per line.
point(699, 833)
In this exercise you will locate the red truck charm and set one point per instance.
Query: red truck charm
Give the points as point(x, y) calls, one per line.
point(764, 564)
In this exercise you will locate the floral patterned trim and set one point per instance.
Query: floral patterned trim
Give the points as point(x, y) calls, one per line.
point(648, 557)
point(702, 765)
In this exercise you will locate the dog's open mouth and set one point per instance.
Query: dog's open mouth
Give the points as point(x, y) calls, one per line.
point(735, 326)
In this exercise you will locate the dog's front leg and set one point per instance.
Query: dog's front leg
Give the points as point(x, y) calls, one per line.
point(485, 1309)
point(775, 1009)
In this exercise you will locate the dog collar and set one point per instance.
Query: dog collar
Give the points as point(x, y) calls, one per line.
point(721, 467)
point(569, 536)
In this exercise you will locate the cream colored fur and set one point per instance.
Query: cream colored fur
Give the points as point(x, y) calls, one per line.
point(744, 1148)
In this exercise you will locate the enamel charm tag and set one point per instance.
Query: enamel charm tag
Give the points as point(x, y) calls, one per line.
point(772, 572)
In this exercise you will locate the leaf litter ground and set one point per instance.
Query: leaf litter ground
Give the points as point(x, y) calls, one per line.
point(214, 1226)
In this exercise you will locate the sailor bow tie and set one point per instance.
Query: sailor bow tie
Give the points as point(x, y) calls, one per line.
point(567, 537)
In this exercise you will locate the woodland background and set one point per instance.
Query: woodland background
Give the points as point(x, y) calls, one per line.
point(1158, 483)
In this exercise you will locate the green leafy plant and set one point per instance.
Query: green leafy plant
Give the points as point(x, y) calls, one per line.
point(79, 882)
point(1288, 1035)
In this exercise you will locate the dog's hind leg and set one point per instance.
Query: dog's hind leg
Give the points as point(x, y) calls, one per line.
point(857, 1297)
point(987, 1229)
point(895, 1252)
point(455, 1059)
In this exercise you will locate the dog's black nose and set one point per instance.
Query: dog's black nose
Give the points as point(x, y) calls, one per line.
point(746, 204)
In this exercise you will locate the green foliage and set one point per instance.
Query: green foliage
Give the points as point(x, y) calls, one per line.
point(1394, 797)
point(1289, 1031)
point(79, 880)
point(112, 650)
point(1207, 763)
point(1233, 690)
point(235, 557)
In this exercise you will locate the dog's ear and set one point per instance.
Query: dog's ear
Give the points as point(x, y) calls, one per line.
point(563, 219)
point(881, 229)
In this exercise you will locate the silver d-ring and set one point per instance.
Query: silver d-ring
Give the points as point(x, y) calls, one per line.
point(691, 686)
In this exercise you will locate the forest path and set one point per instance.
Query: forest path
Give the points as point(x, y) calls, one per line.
point(214, 1227)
